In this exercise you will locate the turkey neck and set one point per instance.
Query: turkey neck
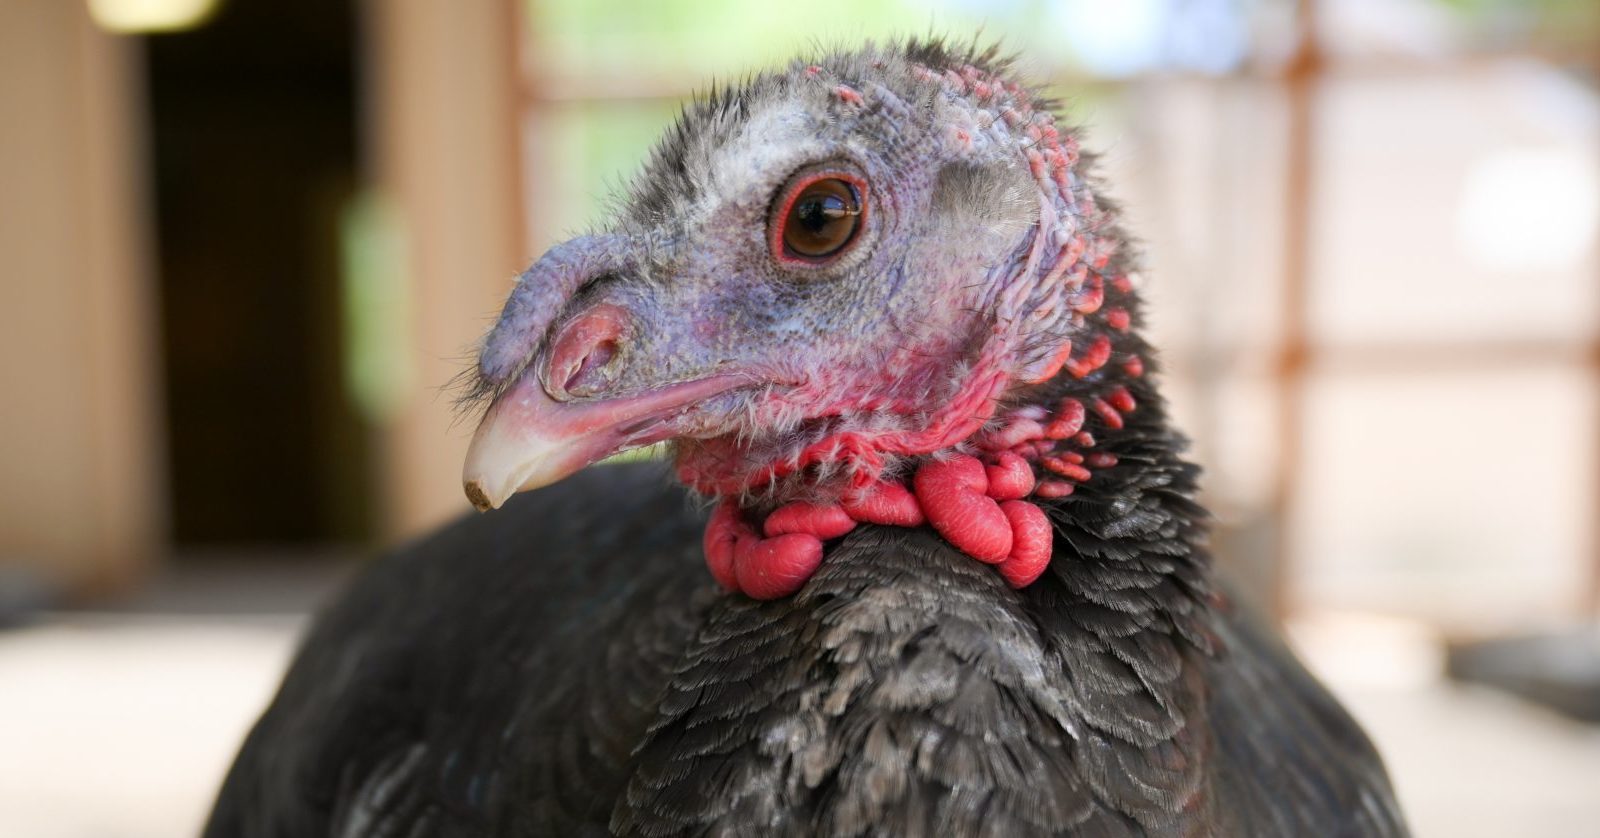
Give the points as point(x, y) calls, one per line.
point(903, 662)
point(1112, 478)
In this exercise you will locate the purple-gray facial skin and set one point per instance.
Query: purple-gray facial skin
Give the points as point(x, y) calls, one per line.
point(688, 319)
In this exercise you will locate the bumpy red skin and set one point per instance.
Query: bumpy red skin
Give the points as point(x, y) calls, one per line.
point(1030, 543)
point(984, 507)
point(890, 504)
point(978, 508)
point(952, 494)
point(824, 522)
point(1010, 477)
point(762, 567)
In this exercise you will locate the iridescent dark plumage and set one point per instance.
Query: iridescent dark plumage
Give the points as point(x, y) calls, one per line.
point(565, 666)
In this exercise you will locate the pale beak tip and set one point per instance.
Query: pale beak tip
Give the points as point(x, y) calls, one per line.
point(479, 498)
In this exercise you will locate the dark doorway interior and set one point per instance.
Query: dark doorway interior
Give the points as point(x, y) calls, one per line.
point(254, 130)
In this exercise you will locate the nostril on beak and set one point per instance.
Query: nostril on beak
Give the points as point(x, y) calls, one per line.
point(583, 378)
point(583, 351)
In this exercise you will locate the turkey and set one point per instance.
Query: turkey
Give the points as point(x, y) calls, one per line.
point(948, 577)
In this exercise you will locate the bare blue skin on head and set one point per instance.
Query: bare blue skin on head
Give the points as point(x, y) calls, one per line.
point(910, 313)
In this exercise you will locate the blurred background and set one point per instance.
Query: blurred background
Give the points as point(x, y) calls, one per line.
point(247, 242)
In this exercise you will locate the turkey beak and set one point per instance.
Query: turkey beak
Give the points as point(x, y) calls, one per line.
point(528, 440)
point(525, 441)
point(563, 412)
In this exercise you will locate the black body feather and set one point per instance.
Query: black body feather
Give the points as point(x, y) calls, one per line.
point(567, 667)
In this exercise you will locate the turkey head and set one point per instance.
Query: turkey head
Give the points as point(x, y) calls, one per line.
point(877, 287)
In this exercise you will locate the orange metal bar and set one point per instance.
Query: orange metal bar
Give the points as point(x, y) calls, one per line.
point(1300, 78)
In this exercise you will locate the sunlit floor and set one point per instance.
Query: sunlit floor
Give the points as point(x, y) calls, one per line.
point(120, 725)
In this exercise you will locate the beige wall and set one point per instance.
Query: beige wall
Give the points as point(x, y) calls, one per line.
point(82, 492)
point(443, 139)
point(80, 465)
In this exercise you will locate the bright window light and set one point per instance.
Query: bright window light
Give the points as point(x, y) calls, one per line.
point(135, 17)
point(1530, 209)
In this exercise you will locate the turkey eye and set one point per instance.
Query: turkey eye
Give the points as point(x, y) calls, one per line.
point(820, 217)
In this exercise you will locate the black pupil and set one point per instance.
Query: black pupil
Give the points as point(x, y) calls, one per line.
point(812, 211)
point(823, 219)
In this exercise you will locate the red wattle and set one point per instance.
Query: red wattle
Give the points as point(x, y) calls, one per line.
point(1010, 477)
point(1055, 362)
point(770, 568)
point(1066, 468)
point(824, 522)
point(1108, 414)
point(1068, 420)
point(1094, 357)
point(723, 532)
point(1016, 432)
point(1053, 489)
point(1100, 459)
point(890, 504)
point(1030, 543)
point(951, 493)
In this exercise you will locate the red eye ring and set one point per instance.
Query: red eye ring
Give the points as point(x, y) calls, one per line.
point(780, 237)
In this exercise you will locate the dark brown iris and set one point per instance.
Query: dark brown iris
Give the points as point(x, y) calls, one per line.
point(822, 219)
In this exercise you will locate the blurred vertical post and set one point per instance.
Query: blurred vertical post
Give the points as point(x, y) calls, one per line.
point(81, 477)
point(1592, 603)
point(441, 141)
point(1300, 83)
